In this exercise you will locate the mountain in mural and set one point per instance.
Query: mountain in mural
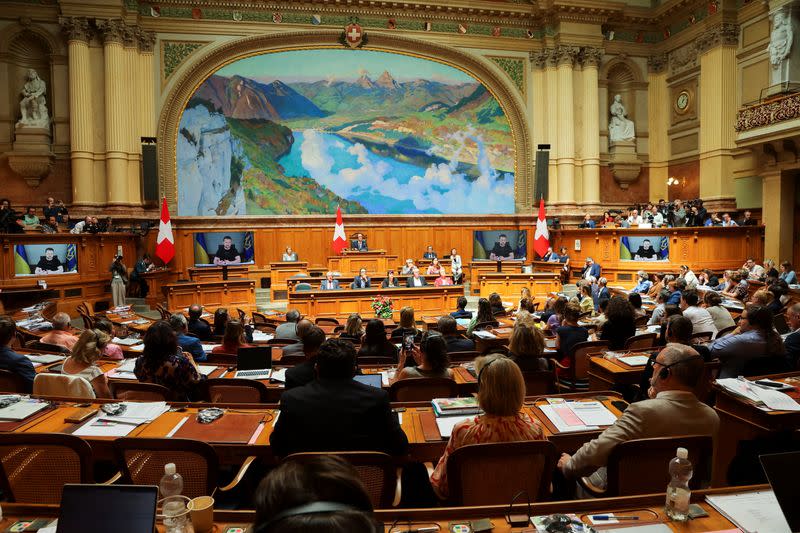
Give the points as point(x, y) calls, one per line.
point(480, 103)
point(242, 98)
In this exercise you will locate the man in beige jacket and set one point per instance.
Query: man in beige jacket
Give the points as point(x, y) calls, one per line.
point(671, 410)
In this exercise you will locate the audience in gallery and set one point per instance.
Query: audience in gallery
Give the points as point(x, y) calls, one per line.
point(643, 284)
point(496, 303)
point(461, 309)
point(443, 279)
point(81, 361)
point(769, 269)
point(620, 323)
point(586, 300)
point(569, 333)
point(362, 281)
point(12, 361)
point(722, 317)
point(526, 348)
point(233, 339)
point(375, 343)
point(334, 412)
point(737, 286)
point(288, 330)
point(390, 281)
point(407, 326)
point(659, 310)
point(110, 350)
point(435, 268)
point(221, 318)
point(61, 333)
point(352, 329)
point(688, 277)
point(671, 410)
point(792, 341)
point(635, 299)
point(676, 289)
point(54, 209)
point(754, 338)
point(701, 318)
point(408, 268)
point(430, 359)
point(500, 397)
point(415, 279)
point(448, 329)
point(329, 283)
point(748, 220)
point(753, 270)
point(196, 325)
point(303, 373)
point(185, 341)
point(289, 254)
point(429, 253)
point(707, 278)
point(456, 266)
point(787, 273)
point(163, 362)
point(671, 214)
point(319, 494)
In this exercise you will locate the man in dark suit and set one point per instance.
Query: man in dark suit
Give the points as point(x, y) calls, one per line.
point(455, 342)
point(360, 243)
point(197, 325)
point(429, 253)
point(415, 279)
point(187, 342)
point(335, 412)
point(461, 312)
point(312, 338)
point(792, 341)
point(329, 283)
point(748, 220)
point(362, 281)
point(11, 360)
point(591, 269)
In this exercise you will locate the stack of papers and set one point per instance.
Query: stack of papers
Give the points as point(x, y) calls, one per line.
point(127, 341)
point(135, 413)
point(484, 334)
point(206, 369)
point(634, 360)
point(208, 347)
point(44, 359)
point(447, 423)
point(260, 336)
point(752, 511)
point(578, 416)
point(278, 375)
point(35, 323)
point(22, 409)
point(770, 399)
point(463, 322)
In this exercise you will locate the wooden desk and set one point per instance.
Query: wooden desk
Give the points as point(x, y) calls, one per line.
point(377, 262)
point(428, 300)
point(217, 273)
point(155, 279)
point(280, 271)
point(547, 266)
point(610, 374)
point(237, 293)
point(345, 281)
point(482, 266)
point(509, 284)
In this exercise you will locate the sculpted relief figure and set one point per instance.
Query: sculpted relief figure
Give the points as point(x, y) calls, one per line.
point(620, 128)
point(33, 105)
point(780, 41)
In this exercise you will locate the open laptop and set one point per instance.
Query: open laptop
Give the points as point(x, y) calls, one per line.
point(370, 379)
point(117, 508)
point(254, 362)
point(781, 470)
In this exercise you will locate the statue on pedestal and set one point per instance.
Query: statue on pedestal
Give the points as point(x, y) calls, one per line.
point(33, 105)
point(620, 128)
point(780, 41)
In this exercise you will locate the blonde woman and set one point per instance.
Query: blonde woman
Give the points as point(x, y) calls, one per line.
point(524, 293)
point(526, 348)
point(82, 361)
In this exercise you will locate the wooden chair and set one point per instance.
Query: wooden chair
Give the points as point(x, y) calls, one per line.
point(300, 287)
point(269, 329)
point(142, 460)
point(473, 472)
point(62, 385)
point(641, 342)
point(489, 324)
point(726, 331)
point(36, 344)
point(291, 360)
point(88, 322)
point(539, 382)
point(165, 314)
point(641, 321)
point(326, 320)
point(260, 319)
point(704, 390)
point(422, 389)
point(35, 466)
point(585, 314)
point(462, 357)
point(700, 338)
point(376, 470)
point(576, 377)
point(500, 313)
point(630, 459)
point(11, 382)
point(223, 390)
point(137, 391)
point(764, 366)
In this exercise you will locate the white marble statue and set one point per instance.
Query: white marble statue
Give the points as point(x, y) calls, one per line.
point(780, 40)
point(33, 105)
point(620, 128)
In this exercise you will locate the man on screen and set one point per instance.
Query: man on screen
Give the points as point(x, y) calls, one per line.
point(227, 254)
point(502, 249)
point(646, 252)
point(49, 263)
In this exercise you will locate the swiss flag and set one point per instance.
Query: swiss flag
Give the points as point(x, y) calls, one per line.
point(541, 239)
point(165, 242)
point(339, 236)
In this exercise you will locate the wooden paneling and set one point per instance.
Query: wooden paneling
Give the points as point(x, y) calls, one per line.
point(478, 268)
point(424, 300)
point(377, 262)
point(232, 294)
point(280, 273)
point(509, 285)
point(218, 273)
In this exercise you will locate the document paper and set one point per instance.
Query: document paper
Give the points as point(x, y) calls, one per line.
point(592, 413)
point(562, 425)
point(752, 512)
point(447, 423)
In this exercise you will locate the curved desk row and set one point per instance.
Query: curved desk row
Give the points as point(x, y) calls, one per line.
point(426, 300)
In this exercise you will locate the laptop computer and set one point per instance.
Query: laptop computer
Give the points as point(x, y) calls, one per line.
point(117, 508)
point(781, 470)
point(254, 362)
point(370, 379)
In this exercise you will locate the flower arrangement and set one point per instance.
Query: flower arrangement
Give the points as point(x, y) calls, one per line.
point(382, 306)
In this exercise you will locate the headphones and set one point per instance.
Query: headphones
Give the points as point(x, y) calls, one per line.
point(307, 508)
point(484, 367)
point(664, 372)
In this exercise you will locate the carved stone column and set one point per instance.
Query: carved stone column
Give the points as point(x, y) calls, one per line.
point(131, 92)
point(147, 114)
point(591, 58)
point(778, 192)
point(564, 58)
point(541, 134)
point(552, 123)
point(658, 112)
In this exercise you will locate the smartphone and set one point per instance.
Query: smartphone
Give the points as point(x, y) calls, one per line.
point(621, 405)
point(80, 415)
point(408, 343)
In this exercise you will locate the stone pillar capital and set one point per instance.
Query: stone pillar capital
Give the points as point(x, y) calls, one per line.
point(657, 63)
point(565, 55)
point(591, 57)
point(111, 30)
point(75, 28)
point(539, 57)
point(130, 36)
point(147, 41)
point(725, 34)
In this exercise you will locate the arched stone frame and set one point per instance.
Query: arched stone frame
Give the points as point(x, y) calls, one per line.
point(208, 62)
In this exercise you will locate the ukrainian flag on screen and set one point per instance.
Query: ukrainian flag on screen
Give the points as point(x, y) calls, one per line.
point(21, 265)
point(663, 248)
point(200, 253)
point(624, 249)
point(478, 251)
point(72, 258)
point(248, 252)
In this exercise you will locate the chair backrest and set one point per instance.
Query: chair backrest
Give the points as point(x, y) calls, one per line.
point(302, 287)
point(699, 338)
point(326, 320)
point(703, 389)
point(11, 382)
point(35, 466)
point(725, 331)
point(499, 312)
point(226, 359)
point(539, 382)
point(585, 314)
point(165, 314)
point(641, 321)
point(142, 461)
point(462, 357)
point(63, 385)
point(422, 389)
point(222, 390)
point(579, 359)
point(491, 474)
point(46, 346)
point(260, 319)
point(641, 341)
point(88, 322)
point(486, 325)
point(146, 392)
point(376, 470)
point(628, 460)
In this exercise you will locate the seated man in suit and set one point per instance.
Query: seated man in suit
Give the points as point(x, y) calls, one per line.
point(312, 339)
point(288, 330)
point(429, 253)
point(748, 220)
point(362, 281)
point(360, 244)
point(591, 270)
point(448, 328)
point(329, 283)
point(197, 325)
point(672, 410)
point(792, 341)
point(587, 222)
point(187, 343)
point(11, 360)
point(461, 312)
point(336, 413)
point(415, 279)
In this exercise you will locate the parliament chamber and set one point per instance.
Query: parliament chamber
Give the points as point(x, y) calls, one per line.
point(498, 265)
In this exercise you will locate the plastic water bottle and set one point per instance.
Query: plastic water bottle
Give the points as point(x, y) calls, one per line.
point(678, 493)
point(174, 507)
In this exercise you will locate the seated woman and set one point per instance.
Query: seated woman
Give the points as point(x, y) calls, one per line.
point(162, 362)
point(755, 338)
point(557, 315)
point(456, 265)
point(85, 354)
point(430, 358)
point(375, 343)
point(233, 339)
point(434, 269)
point(110, 351)
point(569, 333)
point(656, 286)
point(761, 297)
point(443, 279)
point(220, 321)
point(500, 396)
point(526, 348)
point(620, 323)
point(352, 329)
point(408, 268)
point(644, 284)
point(787, 273)
point(721, 316)
point(289, 254)
point(737, 286)
point(484, 314)
point(496, 302)
point(407, 325)
point(635, 299)
point(524, 294)
point(586, 301)
point(390, 281)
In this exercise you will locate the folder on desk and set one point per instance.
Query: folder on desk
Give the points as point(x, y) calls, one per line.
point(22, 409)
point(230, 428)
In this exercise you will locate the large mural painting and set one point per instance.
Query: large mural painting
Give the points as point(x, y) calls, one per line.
point(298, 132)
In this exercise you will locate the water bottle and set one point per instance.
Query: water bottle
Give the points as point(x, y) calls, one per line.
point(174, 506)
point(678, 493)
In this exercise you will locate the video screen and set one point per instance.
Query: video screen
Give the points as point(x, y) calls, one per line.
point(655, 248)
point(499, 245)
point(45, 259)
point(223, 248)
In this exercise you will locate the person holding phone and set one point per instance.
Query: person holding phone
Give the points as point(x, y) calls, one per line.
point(430, 358)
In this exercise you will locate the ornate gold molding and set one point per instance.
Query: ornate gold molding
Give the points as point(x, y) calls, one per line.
point(76, 28)
point(212, 59)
